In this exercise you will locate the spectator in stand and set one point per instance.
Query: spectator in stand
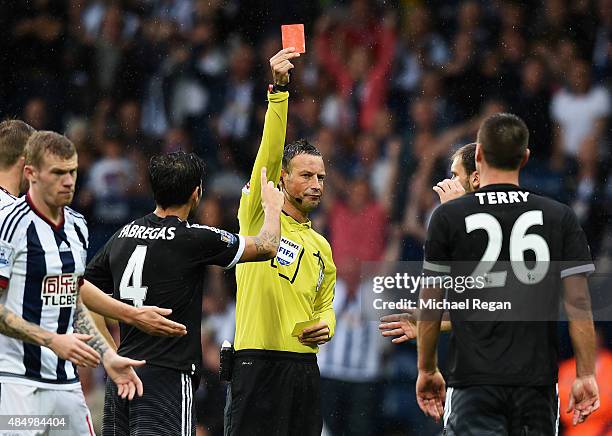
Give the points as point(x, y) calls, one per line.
point(108, 190)
point(369, 160)
point(602, 50)
point(36, 114)
point(120, 65)
point(176, 139)
point(432, 89)
point(109, 50)
point(349, 217)
point(462, 76)
point(363, 85)
point(236, 118)
point(532, 104)
point(419, 48)
point(470, 20)
point(512, 50)
point(129, 118)
point(580, 112)
point(388, 146)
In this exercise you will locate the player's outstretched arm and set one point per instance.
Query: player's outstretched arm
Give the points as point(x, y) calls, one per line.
point(100, 323)
point(120, 369)
point(430, 386)
point(403, 326)
point(584, 395)
point(70, 347)
point(270, 153)
point(265, 245)
point(149, 319)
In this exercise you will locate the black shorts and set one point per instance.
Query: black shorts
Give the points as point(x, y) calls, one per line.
point(502, 411)
point(273, 393)
point(165, 408)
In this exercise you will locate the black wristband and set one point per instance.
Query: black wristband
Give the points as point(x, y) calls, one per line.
point(278, 88)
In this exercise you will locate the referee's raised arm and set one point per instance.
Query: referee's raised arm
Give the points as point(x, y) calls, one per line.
point(270, 153)
point(284, 306)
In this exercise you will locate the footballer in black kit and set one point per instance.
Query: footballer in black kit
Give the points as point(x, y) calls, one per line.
point(502, 365)
point(493, 219)
point(176, 253)
point(160, 260)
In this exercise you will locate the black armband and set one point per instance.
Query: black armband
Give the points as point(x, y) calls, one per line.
point(274, 88)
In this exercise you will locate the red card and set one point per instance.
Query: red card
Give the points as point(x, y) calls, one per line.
point(293, 36)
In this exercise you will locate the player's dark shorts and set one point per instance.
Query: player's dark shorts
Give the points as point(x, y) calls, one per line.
point(273, 393)
point(166, 407)
point(502, 411)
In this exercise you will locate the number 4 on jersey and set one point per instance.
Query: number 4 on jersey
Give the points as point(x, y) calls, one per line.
point(133, 270)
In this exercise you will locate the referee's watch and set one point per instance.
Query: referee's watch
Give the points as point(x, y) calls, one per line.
point(274, 88)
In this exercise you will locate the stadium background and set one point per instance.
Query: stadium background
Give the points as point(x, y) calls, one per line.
point(387, 90)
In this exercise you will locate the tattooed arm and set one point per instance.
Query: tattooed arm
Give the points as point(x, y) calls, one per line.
point(70, 347)
point(120, 369)
point(261, 247)
point(265, 245)
point(16, 327)
point(85, 324)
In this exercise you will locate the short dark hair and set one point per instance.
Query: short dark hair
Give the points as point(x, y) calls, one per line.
point(174, 176)
point(467, 155)
point(14, 135)
point(504, 138)
point(301, 146)
point(46, 141)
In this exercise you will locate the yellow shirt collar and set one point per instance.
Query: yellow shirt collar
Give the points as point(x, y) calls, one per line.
point(296, 225)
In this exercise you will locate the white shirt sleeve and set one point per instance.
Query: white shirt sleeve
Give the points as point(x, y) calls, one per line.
point(7, 257)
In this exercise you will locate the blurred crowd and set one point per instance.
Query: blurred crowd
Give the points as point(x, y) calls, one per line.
point(387, 91)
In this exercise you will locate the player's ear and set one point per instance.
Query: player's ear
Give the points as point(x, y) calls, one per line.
point(478, 152)
point(475, 180)
point(196, 194)
point(30, 173)
point(525, 158)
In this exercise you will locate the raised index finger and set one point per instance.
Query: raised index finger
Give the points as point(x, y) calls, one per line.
point(264, 177)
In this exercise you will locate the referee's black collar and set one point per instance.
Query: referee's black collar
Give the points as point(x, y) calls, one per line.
point(296, 223)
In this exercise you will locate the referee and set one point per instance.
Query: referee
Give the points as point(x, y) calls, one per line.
point(274, 388)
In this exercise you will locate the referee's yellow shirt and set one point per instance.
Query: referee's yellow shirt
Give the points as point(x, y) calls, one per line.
point(298, 284)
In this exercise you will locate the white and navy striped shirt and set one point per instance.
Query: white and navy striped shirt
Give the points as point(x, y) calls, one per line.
point(355, 352)
point(41, 265)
